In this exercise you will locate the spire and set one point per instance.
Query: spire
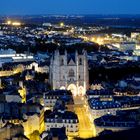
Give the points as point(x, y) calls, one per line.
point(56, 52)
point(76, 57)
point(76, 54)
point(84, 53)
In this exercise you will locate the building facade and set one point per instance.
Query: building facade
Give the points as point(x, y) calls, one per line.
point(69, 71)
point(60, 119)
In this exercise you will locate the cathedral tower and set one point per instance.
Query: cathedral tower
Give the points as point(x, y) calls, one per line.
point(69, 71)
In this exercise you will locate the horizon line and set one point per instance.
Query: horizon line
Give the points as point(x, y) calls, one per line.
point(70, 14)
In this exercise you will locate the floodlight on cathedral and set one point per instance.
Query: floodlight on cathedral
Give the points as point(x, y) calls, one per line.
point(69, 71)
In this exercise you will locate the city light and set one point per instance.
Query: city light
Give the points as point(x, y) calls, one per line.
point(62, 24)
point(13, 23)
point(55, 76)
point(16, 24)
point(9, 22)
point(98, 40)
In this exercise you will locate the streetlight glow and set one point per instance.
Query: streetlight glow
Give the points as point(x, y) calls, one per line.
point(16, 24)
point(62, 24)
point(9, 22)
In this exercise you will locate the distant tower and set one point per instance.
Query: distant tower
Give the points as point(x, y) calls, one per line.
point(70, 71)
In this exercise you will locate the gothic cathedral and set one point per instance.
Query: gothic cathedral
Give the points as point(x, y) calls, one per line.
point(69, 71)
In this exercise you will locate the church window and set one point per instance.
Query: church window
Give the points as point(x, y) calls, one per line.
point(80, 61)
point(62, 62)
point(71, 73)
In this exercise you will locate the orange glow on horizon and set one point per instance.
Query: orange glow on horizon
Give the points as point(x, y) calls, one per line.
point(13, 23)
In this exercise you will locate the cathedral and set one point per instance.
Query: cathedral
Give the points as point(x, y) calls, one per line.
point(69, 71)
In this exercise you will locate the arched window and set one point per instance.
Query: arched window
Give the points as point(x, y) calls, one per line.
point(62, 62)
point(80, 61)
point(71, 73)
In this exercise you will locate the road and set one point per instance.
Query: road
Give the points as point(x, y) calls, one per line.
point(85, 126)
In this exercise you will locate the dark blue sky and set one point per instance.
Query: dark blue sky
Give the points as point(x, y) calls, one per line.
point(69, 7)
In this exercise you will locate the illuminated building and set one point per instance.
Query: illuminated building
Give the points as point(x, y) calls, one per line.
point(96, 86)
point(60, 119)
point(114, 123)
point(31, 124)
point(50, 99)
point(135, 35)
point(16, 57)
point(12, 131)
point(54, 133)
point(33, 118)
point(125, 46)
point(29, 75)
point(106, 94)
point(98, 108)
point(22, 91)
point(6, 73)
point(69, 71)
point(14, 70)
point(41, 67)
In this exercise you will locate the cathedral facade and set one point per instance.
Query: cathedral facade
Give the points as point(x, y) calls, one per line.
point(70, 71)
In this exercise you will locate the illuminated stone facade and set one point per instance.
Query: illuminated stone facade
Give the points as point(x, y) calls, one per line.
point(69, 71)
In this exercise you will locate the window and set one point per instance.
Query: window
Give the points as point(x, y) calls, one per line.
point(62, 62)
point(80, 61)
point(71, 73)
point(79, 77)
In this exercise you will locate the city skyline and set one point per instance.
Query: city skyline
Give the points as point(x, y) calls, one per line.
point(69, 69)
point(31, 7)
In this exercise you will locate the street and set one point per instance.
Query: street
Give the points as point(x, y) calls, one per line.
point(85, 126)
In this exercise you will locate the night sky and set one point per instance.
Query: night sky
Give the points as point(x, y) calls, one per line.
point(18, 7)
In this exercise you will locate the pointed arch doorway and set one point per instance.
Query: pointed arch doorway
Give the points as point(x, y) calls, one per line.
point(73, 89)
